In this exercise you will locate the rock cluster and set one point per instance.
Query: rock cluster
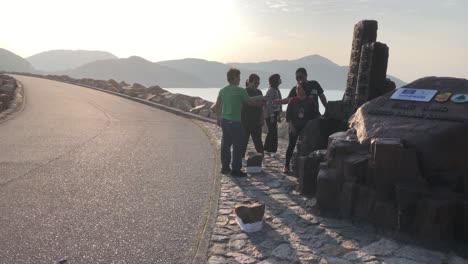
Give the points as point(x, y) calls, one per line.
point(366, 81)
point(7, 91)
point(402, 165)
point(195, 105)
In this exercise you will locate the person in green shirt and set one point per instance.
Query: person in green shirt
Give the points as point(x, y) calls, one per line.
point(228, 108)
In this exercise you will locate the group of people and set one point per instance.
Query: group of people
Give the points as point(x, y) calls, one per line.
point(242, 112)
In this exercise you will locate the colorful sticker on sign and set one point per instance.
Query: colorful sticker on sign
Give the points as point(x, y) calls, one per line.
point(459, 98)
point(443, 97)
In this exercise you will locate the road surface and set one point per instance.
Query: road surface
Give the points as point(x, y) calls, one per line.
point(98, 178)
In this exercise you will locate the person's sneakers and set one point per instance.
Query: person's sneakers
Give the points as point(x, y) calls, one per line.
point(238, 174)
point(273, 154)
point(225, 170)
point(286, 170)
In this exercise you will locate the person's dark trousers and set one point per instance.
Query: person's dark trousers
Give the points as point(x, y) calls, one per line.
point(256, 133)
point(271, 140)
point(233, 135)
point(291, 146)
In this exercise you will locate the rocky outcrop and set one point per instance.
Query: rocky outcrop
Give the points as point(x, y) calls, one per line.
point(402, 165)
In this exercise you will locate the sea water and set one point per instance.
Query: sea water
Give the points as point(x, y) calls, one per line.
point(211, 94)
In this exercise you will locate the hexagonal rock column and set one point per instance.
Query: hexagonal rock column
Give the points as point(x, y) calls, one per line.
point(372, 73)
point(364, 32)
point(308, 168)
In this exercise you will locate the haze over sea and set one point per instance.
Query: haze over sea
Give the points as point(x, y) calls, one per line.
point(210, 94)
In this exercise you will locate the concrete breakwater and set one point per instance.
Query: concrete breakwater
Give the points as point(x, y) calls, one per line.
point(154, 93)
point(190, 104)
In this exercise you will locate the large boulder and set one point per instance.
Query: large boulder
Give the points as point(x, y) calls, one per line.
point(199, 108)
point(179, 101)
point(4, 99)
point(139, 88)
point(155, 89)
point(154, 98)
point(8, 86)
point(101, 84)
point(112, 82)
point(7, 90)
point(437, 131)
point(402, 165)
point(129, 91)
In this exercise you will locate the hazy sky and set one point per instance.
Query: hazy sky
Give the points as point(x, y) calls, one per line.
point(426, 37)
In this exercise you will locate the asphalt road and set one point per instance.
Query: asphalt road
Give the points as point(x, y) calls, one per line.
point(100, 179)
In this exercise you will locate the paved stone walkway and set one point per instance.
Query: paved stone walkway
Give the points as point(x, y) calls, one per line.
point(292, 233)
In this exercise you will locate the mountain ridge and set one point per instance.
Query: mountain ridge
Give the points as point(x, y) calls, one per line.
point(133, 69)
point(195, 72)
point(10, 61)
point(62, 59)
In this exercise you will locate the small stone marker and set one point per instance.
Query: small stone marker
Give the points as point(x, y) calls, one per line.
point(249, 215)
point(254, 163)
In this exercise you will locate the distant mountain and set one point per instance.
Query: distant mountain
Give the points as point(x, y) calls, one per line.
point(184, 73)
point(12, 62)
point(136, 69)
point(193, 73)
point(327, 73)
point(210, 72)
point(62, 60)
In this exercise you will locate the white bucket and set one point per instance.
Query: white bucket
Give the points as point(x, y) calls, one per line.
point(249, 228)
point(254, 169)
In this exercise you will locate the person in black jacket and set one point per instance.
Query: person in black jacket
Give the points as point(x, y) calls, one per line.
point(301, 109)
point(312, 88)
point(252, 116)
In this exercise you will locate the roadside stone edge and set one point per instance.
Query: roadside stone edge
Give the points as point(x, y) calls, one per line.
point(16, 105)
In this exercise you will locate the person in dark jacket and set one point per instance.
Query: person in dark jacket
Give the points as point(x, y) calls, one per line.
point(301, 109)
point(252, 116)
point(312, 88)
